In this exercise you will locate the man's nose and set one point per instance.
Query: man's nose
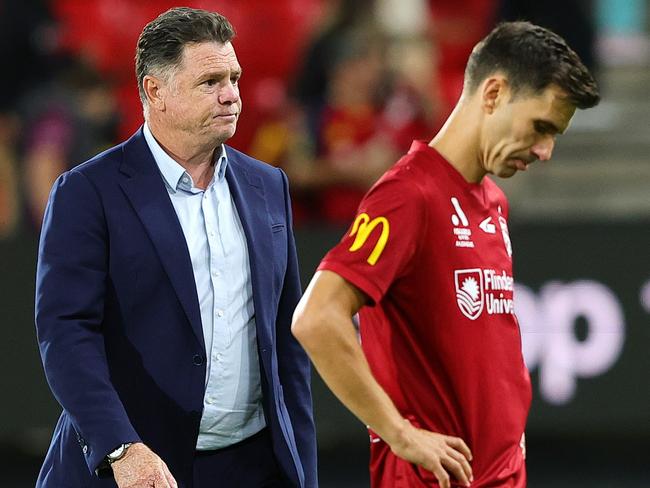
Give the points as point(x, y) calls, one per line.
point(229, 93)
point(543, 149)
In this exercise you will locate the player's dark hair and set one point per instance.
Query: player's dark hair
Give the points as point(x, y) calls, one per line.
point(160, 45)
point(532, 58)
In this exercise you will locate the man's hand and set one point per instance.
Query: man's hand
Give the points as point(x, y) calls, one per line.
point(142, 468)
point(440, 454)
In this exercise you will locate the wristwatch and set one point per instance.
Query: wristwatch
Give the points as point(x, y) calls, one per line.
point(104, 469)
point(118, 453)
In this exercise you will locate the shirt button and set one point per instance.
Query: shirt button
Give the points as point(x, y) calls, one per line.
point(220, 313)
point(209, 400)
point(185, 179)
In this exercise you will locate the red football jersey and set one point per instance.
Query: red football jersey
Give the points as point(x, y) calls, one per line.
point(432, 253)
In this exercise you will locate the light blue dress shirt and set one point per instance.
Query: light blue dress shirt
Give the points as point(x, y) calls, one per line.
point(232, 404)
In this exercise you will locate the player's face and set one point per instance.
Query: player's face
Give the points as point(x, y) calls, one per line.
point(523, 130)
point(203, 99)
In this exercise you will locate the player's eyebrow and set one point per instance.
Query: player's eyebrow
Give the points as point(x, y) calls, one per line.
point(547, 127)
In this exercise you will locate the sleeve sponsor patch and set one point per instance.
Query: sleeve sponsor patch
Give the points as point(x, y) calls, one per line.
point(363, 227)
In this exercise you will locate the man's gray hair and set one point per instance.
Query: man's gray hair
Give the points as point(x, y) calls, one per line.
point(160, 45)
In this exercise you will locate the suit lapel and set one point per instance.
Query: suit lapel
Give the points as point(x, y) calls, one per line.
point(247, 191)
point(145, 188)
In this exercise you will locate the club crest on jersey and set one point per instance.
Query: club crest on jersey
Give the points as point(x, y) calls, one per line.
point(470, 295)
point(364, 226)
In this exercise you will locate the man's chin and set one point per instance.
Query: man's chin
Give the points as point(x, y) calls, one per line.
point(507, 172)
point(222, 135)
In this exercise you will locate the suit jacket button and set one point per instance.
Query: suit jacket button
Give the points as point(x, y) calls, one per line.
point(85, 449)
point(197, 359)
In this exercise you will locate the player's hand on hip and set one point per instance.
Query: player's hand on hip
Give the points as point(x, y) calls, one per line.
point(142, 468)
point(443, 455)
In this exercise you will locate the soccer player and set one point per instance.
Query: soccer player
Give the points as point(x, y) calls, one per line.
point(439, 376)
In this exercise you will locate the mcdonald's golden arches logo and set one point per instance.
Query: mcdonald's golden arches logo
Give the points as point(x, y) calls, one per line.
point(363, 227)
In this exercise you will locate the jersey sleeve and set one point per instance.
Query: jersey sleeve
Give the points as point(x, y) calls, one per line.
point(381, 242)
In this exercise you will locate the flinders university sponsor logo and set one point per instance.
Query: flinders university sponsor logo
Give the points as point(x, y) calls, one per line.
point(470, 295)
point(480, 289)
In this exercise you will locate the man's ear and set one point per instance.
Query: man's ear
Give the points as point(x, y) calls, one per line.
point(494, 91)
point(154, 90)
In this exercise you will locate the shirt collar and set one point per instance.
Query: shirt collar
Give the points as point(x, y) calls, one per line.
point(173, 172)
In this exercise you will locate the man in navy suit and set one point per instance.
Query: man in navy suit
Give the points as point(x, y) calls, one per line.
point(167, 277)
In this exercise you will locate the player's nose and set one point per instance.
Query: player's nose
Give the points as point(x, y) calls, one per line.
point(543, 149)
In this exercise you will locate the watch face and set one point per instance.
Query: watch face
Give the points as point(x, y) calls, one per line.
point(117, 453)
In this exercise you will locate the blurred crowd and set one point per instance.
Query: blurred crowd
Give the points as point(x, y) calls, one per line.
point(334, 90)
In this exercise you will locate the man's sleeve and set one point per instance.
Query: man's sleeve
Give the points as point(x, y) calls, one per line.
point(382, 240)
point(71, 283)
point(293, 362)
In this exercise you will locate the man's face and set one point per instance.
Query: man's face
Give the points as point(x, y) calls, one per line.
point(523, 130)
point(202, 95)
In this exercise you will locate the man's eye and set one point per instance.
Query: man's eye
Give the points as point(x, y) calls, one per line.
point(210, 82)
point(235, 81)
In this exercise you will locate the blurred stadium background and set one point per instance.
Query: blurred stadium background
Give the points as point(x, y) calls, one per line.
point(333, 91)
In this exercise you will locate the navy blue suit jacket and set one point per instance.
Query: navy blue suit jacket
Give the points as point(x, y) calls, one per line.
point(118, 318)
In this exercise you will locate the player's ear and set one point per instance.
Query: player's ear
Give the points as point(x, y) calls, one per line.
point(493, 91)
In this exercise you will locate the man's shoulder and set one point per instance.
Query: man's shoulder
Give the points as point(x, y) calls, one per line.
point(101, 162)
point(404, 179)
point(109, 161)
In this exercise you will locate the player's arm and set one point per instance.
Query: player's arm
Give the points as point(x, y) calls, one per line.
point(322, 323)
